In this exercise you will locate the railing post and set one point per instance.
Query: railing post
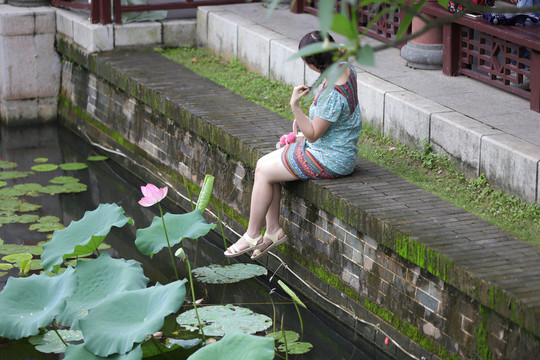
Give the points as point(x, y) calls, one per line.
point(535, 80)
point(297, 6)
point(105, 7)
point(451, 49)
point(94, 11)
point(117, 12)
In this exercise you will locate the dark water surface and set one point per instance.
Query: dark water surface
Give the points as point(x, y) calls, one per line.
point(108, 183)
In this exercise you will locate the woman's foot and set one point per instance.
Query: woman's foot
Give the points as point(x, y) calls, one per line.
point(243, 245)
point(269, 241)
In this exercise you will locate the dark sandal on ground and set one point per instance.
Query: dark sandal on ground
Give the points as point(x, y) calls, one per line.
point(233, 250)
point(276, 240)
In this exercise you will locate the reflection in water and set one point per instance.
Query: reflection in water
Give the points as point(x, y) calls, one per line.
point(108, 183)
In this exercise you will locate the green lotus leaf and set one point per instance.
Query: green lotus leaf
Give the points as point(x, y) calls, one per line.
point(83, 236)
point(52, 189)
point(97, 158)
point(46, 227)
point(27, 207)
point(185, 344)
point(63, 180)
point(21, 219)
point(74, 188)
point(79, 352)
point(291, 293)
point(5, 266)
point(1, 241)
point(152, 239)
point(6, 175)
point(237, 346)
point(3, 183)
point(28, 304)
point(182, 348)
point(7, 164)
point(9, 191)
point(17, 258)
point(291, 336)
point(73, 166)
point(51, 343)
point(218, 274)
point(206, 193)
point(2, 273)
point(296, 348)
point(221, 319)
point(44, 167)
point(28, 187)
point(41, 160)
point(8, 249)
point(114, 326)
point(98, 279)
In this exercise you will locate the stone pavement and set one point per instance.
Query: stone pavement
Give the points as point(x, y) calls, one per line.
point(487, 129)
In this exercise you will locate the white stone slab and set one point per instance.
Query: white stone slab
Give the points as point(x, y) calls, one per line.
point(137, 34)
point(371, 97)
point(19, 53)
point(407, 117)
point(179, 32)
point(222, 35)
point(19, 112)
point(48, 66)
point(511, 164)
point(460, 137)
point(282, 69)
point(93, 37)
point(15, 21)
point(65, 20)
point(254, 47)
point(45, 20)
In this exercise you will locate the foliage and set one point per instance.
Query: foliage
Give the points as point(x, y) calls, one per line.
point(218, 274)
point(237, 345)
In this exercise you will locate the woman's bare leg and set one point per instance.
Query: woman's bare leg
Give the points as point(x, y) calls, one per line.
point(265, 197)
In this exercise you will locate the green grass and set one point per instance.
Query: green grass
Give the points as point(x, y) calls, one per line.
point(431, 171)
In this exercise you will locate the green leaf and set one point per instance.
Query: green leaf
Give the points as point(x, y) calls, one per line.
point(28, 304)
point(291, 336)
point(218, 274)
point(326, 12)
point(79, 352)
point(63, 180)
point(98, 279)
point(6, 175)
point(185, 344)
point(237, 346)
point(221, 319)
point(366, 56)
point(152, 239)
point(97, 158)
point(5, 266)
point(41, 160)
point(7, 164)
point(17, 258)
point(314, 48)
point(73, 166)
point(44, 167)
point(114, 326)
point(206, 193)
point(51, 343)
point(296, 348)
point(291, 293)
point(8, 249)
point(83, 236)
point(343, 26)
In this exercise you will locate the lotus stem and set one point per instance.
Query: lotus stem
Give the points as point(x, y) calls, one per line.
point(168, 243)
point(299, 316)
point(193, 297)
point(284, 339)
point(58, 334)
point(221, 228)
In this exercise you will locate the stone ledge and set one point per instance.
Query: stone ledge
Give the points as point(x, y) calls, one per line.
point(402, 219)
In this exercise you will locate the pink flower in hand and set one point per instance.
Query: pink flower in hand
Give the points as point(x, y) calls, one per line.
point(152, 195)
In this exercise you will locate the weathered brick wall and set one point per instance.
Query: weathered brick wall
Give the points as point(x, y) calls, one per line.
point(336, 251)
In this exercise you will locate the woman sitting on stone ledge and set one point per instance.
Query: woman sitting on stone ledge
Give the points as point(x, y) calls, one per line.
point(329, 150)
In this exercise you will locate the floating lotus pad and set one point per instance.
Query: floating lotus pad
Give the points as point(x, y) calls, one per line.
point(217, 274)
point(64, 188)
point(79, 352)
point(17, 258)
point(44, 167)
point(5, 266)
point(41, 160)
point(73, 166)
point(51, 343)
point(98, 279)
point(9, 249)
point(3, 183)
point(7, 175)
point(152, 239)
point(115, 325)
point(47, 224)
point(291, 336)
point(221, 319)
point(63, 180)
point(296, 348)
point(97, 158)
point(13, 204)
point(7, 164)
point(20, 219)
point(83, 236)
point(237, 345)
point(28, 304)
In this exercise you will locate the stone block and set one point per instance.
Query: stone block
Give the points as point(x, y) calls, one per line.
point(222, 35)
point(65, 20)
point(282, 69)
point(22, 82)
point(460, 137)
point(371, 96)
point(45, 20)
point(511, 164)
point(16, 21)
point(254, 48)
point(48, 66)
point(93, 37)
point(19, 112)
point(137, 34)
point(407, 117)
point(179, 32)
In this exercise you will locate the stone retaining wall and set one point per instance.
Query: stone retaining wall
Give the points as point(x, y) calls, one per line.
point(172, 125)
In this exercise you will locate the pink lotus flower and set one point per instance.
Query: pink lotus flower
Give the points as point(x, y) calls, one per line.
point(152, 195)
point(392, 148)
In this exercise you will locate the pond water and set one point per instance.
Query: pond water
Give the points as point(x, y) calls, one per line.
point(108, 183)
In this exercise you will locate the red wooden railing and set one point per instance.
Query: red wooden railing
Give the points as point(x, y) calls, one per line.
point(101, 10)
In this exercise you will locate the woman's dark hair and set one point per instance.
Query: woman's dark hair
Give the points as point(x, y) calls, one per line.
point(321, 60)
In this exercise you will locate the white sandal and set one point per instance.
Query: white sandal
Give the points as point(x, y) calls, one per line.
point(275, 241)
point(233, 250)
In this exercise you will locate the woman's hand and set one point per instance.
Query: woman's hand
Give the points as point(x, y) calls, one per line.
point(298, 93)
